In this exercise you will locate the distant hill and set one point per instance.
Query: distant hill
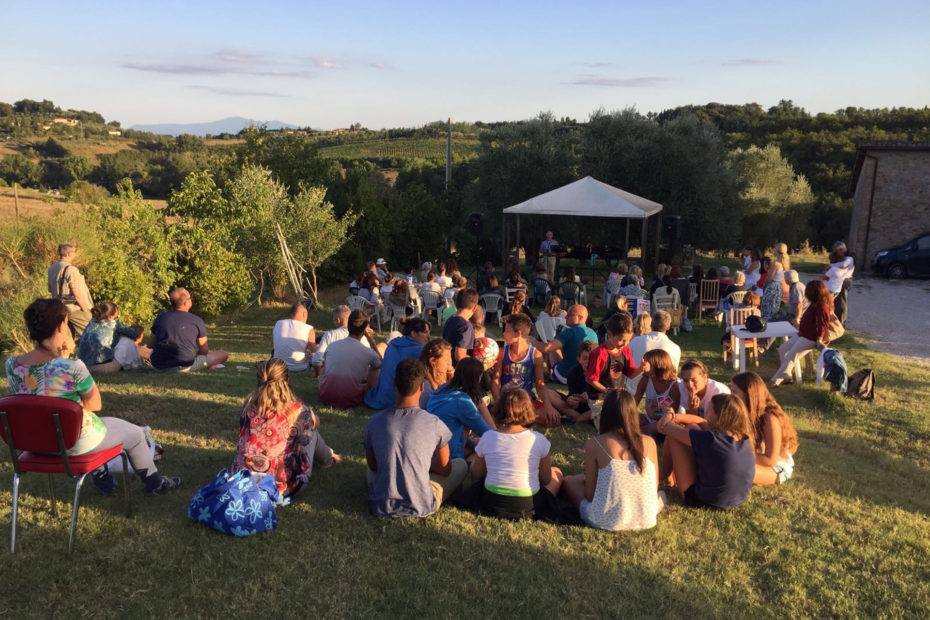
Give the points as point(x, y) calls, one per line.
point(233, 125)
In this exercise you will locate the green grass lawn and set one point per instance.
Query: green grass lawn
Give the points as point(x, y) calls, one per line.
point(848, 536)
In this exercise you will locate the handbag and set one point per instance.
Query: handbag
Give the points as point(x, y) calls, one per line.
point(237, 504)
point(836, 329)
point(755, 324)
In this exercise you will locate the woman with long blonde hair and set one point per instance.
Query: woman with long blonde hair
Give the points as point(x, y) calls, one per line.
point(775, 437)
point(278, 433)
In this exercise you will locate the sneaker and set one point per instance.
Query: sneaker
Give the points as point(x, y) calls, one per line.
point(105, 483)
point(165, 485)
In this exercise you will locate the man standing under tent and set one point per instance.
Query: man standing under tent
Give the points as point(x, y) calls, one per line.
point(547, 249)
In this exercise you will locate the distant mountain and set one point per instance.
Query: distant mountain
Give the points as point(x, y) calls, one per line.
point(233, 125)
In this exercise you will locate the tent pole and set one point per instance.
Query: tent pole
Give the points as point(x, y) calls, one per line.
point(626, 246)
point(655, 264)
point(503, 242)
point(517, 257)
point(642, 253)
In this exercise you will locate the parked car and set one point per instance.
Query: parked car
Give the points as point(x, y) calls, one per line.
point(909, 259)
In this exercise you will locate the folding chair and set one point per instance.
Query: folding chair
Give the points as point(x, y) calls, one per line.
point(42, 429)
point(710, 296)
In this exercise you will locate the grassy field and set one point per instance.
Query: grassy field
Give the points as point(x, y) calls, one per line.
point(36, 202)
point(849, 536)
point(402, 148)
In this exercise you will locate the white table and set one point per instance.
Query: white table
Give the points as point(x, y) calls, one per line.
point(778, 329)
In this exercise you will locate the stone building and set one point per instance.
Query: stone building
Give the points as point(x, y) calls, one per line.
point(892, 200)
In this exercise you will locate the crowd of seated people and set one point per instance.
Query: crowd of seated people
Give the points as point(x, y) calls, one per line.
point(444, 414)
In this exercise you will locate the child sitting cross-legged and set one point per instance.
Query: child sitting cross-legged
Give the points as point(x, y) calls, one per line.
point(612, 360)
point(512, 471)
point(574, 407)
point(660, 388)
point(520, 366)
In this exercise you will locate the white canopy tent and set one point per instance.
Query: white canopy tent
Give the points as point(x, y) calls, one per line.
point(589, 197)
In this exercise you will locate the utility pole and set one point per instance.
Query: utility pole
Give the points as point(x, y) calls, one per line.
point(449, 154)
point(16, 199)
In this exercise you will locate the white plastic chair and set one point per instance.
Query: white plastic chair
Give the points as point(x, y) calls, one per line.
point(431, 302)
point(357, 302)
point(493, 304)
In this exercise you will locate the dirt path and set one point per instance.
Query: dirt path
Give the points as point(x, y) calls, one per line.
point(896, 313)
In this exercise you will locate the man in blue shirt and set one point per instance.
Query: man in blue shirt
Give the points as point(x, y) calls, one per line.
point(179, 338)
point(567, 341)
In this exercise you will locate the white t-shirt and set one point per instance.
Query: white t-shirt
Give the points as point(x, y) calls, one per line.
point(713, 388)
point(653, 340)
point(330, 337)
point(290, 343)
point(444, 281)
point(512, 460)
point(838, 272)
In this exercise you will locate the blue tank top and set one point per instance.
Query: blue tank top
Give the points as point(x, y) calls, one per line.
point(518, 374)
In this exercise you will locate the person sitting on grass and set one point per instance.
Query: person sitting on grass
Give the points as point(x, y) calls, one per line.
point(351, 367)
point(520, 366)
point(566, 342)
point(574, 407)
point(619, 487)
point(611, 361)
point(103, 336)
point(179, 338)
point(660, 388)
point(47, 370)
point(458, 331)
point(697, 388)
point(437, 364)
point(294, 339)
point(460, 404)
point(410, 473)
point(278, 434)
point(712, 459)
point(518, 305)
point(512, 471)
point(414, 334)
point(776, 439)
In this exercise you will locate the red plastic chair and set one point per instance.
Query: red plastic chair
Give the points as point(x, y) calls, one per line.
point(39, 430)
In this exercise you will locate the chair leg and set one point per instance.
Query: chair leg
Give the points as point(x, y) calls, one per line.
point(51, 494)
point(74, 512)
point(127, 497)
point(15, 512)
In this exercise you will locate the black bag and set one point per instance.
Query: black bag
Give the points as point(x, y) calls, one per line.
point(862, 385)
point(755, 324)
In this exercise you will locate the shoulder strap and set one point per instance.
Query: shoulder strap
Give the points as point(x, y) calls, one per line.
point(61, 279)
point(601, 446)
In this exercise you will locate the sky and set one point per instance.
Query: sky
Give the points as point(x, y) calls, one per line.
point(404, 64)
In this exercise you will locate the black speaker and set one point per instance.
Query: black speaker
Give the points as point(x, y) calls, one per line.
point(475, 223)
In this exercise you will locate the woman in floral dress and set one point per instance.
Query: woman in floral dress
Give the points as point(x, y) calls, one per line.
point(277, 432)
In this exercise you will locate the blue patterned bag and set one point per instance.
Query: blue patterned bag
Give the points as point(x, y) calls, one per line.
point(236, 504)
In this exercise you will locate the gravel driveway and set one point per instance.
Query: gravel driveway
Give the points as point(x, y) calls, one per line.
point(896, 313)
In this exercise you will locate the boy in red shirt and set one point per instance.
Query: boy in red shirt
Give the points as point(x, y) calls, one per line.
point(612, 361)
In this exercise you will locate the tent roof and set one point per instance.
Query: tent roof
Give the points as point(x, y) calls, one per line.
point(590, 198)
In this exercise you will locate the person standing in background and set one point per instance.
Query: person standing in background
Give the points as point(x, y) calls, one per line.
point(66, 283)
point(547, 249)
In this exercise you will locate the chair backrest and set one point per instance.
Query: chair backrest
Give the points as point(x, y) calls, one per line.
point(545, 328)
point(570, 294)
point(710, 291)
point(31, 422)
point(492, 302)
point(356, 302)
point(737, 297)
point(431, 300)
point(541, 291)
point(509, 291)
point(737, 316)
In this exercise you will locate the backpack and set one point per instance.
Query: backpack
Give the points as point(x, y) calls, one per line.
point(862, 385)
